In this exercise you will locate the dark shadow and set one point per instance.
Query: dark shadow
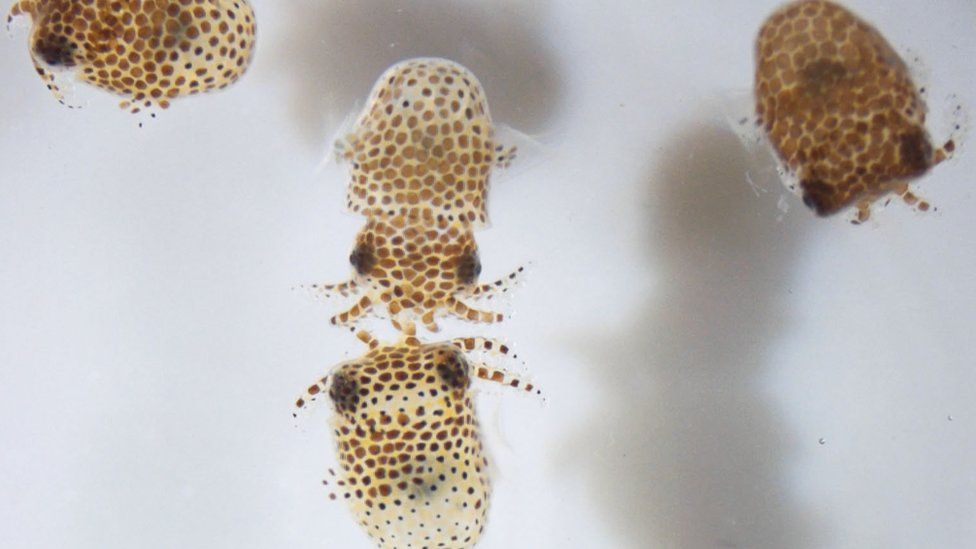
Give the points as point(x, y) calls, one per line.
point(689, 450)
point(335, 51)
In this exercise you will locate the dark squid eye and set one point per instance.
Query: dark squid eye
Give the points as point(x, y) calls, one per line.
point(468, 268)
point(362, 258)
point(55, 50)
point(453, 370)
point(344, 393)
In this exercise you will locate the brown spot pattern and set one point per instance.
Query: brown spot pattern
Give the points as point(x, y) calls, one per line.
point(839, 107)
point(411, 463)
point(412, 467)
point(424, 146)
point(149, 51)
point(413, 269)
point(411, 459)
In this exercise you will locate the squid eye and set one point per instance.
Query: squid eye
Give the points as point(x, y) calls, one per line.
point(453, 370)
point(362, 258)
point(344, 393)
point(468, 268)
point(56, 51)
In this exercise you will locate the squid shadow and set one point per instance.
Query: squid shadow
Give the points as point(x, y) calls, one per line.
point(689, 450)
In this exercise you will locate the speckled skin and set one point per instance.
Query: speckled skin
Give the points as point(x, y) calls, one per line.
point(148, 51)
point(840, 108)
point(411, 269)
point(412, 467)
point(424, 146)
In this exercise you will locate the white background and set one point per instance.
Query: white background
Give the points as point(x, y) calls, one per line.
point(695, 343)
